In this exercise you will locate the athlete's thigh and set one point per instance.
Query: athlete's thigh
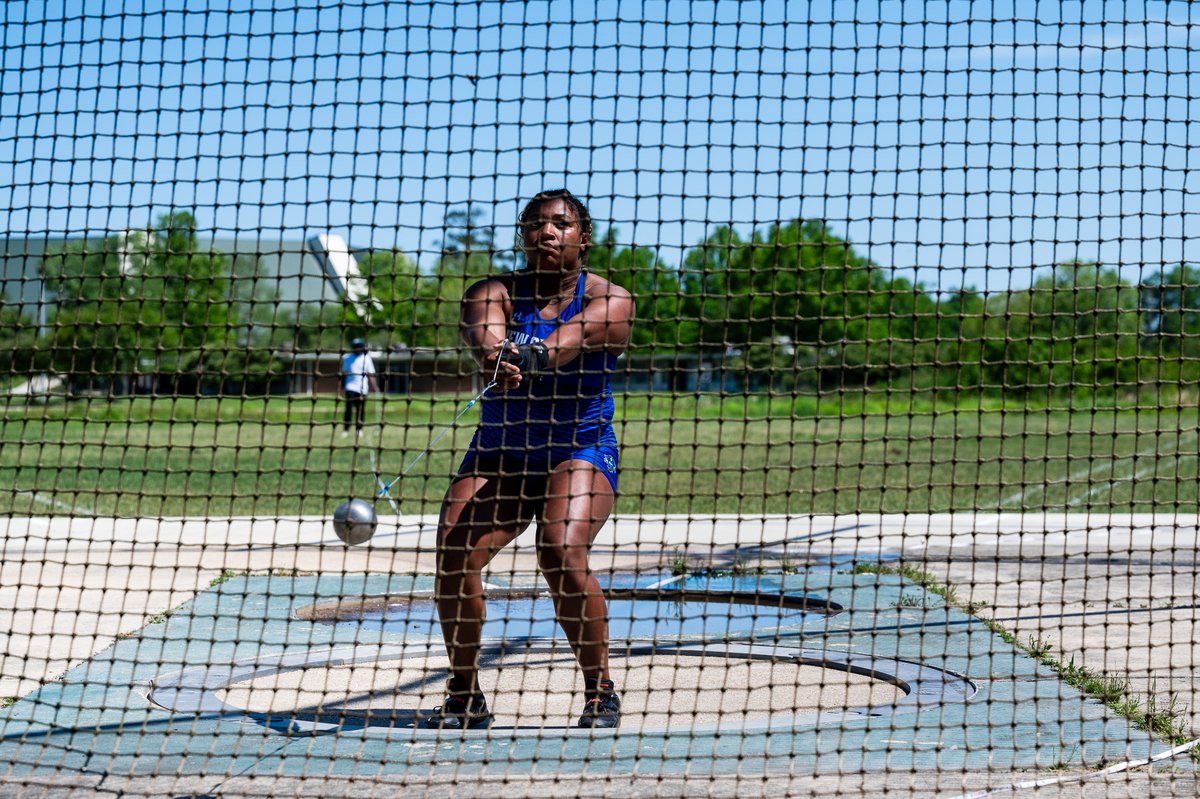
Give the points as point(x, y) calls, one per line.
point(482, 511)
point(579, 500)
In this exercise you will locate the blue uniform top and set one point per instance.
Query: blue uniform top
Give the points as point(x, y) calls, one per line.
point(566, 410)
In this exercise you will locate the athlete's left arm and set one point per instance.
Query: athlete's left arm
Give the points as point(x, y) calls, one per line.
point(603, 324)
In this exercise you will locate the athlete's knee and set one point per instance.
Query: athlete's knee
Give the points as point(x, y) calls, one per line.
point(454, 549)
point(459, 564)
point(559, 555)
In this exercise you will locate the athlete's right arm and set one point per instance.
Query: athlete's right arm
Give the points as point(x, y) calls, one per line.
point(486, 309)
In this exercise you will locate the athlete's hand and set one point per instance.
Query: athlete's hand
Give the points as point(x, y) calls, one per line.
point(531, 358)
point(507, 374)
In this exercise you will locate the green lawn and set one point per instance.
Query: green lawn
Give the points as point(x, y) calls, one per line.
point(679, 455)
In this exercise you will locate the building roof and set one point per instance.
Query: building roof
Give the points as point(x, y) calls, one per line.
point(286, 271)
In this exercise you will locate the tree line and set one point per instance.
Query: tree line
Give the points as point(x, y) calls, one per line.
point(791, 307)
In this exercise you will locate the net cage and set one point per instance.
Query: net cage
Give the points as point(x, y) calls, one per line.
point(599, 399)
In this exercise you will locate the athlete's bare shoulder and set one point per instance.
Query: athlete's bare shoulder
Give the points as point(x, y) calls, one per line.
point(488, 301)
point(599, 288)
point(496, 287)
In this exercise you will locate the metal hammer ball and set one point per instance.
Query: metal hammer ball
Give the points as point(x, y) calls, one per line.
point(355, 521)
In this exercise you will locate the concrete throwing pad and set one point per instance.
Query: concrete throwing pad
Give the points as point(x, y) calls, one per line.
point(537, 688)
point(239, 683)
point(542, 691)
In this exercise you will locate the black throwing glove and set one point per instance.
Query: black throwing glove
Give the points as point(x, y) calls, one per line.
point(532, 359)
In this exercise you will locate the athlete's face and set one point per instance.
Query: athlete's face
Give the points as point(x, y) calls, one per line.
point(554, 238)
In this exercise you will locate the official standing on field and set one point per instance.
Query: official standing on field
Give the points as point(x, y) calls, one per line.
point(358, 380)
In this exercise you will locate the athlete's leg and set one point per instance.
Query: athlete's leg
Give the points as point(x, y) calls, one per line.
point(579, 499)
point(480, 515)
point(360, 412)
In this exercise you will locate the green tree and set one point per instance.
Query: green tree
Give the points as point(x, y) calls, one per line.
point(185, 301)
point(957, 346)
point(654, 285)
point(326, 326)
point(793, 297)
point(902, 331)
point(1170, 302)
point(712, 277)
point(1170, 334)
point(468, 253)
point(403, 306)
point(468, 246)
point(21, 353)
point(144, 302)
point(96, 318)
point(1075, 329)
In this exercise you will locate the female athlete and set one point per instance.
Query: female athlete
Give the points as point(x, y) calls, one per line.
point(548, 335)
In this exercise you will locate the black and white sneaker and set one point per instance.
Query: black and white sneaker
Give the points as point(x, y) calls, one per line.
point(602, 710)
point(459, 712)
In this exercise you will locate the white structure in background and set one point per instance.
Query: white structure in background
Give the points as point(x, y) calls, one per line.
point(134, 250)
point(341, 269)
point(37, 387)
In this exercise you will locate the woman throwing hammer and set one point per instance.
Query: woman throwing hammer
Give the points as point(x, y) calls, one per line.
point(545, 450)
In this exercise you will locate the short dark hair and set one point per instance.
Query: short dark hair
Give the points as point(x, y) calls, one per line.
point(582, 214)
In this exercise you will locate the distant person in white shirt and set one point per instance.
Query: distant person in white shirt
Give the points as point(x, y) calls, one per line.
point(358, 380)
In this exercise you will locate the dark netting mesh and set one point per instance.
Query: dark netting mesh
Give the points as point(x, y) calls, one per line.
point(590, 399)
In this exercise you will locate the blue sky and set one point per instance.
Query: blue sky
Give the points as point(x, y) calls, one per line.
point(964, 143)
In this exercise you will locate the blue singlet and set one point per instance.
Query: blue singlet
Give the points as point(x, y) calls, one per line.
point(565, 415)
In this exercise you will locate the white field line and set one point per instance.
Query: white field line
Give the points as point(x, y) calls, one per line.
point(1093, 470)
point(1119, 767)
point(52, 502)
point(1138, 475)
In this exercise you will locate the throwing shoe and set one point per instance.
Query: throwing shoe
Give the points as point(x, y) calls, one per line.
point(459, 712)
point(602, 710)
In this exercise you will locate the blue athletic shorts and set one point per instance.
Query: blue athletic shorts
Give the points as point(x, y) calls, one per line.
point(539, 465)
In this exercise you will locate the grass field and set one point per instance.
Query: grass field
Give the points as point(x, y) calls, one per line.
point(680, 454)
